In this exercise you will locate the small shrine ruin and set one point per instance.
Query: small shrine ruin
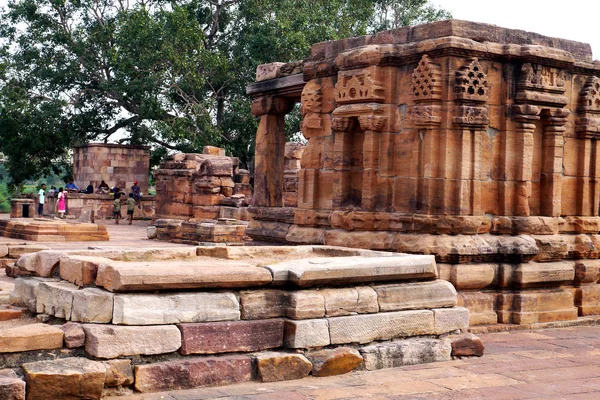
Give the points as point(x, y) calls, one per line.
point(468, 141)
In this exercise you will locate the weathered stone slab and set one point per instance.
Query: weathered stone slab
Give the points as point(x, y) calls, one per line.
point(80, 270)
point(30, 337)
point(143, 276)
point(344, 270)
point(92, 305)
point(587, 271)
point(144, 309)
point(231, 337)
point(109, 341)
point(275, 367)
point(535, 274)
point(118, 373)
point(415, 295)
point(472, 276)
point(450, 319)
point(25, 292)
point(11, 386)
point(532, 306)
point(15, 251)
point(336, 361)
point(349, 301)
point(55, 298)
point(41, 263)
point(192, 372)
point(306, 334)
point(306, 304)
point(405, 352)
point(263, 304)
point(382, 326)
point(74, 335)
point(466, 345)
point(67, 378)
point(480, 306)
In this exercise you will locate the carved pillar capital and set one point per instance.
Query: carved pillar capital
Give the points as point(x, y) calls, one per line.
point(272, 105)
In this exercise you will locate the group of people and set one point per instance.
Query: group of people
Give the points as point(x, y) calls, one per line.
point(61, 203)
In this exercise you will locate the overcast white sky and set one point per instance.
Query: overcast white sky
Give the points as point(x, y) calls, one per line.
point(572, 19)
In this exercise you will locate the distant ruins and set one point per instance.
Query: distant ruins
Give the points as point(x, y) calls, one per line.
point(471, 142)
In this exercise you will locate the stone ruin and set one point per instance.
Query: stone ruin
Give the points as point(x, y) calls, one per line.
point(222, 315)
point(471, 142)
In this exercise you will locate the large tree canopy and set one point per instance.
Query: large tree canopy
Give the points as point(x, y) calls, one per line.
point(167, 73)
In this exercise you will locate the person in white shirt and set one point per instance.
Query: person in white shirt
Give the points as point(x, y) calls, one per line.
point(42, 194)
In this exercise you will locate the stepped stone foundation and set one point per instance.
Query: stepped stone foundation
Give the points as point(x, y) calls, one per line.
point(469, 142)
point(45, 230)
point(164, 319)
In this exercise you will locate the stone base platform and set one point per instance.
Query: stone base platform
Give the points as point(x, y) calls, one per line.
point(40, 229)
point(222, 230)
point(264, 313)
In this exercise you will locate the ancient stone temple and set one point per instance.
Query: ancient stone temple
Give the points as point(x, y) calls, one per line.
point(468, 141)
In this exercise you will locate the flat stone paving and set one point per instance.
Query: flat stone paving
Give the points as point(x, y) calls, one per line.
point(542, 364)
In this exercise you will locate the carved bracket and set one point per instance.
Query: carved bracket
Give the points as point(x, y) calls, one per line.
point(272, 105)
point(367, 117)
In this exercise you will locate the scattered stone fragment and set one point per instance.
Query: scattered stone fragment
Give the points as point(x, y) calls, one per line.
point(43, 318)
point(110, 341)
point(30, 337)
point(92, 305)
point(74, 335)
point(80, 270)
point(230, 337)
point(11, 386)
point(336, 361)
point(118, 373)
point(67, 378)
point(275, 367)
point(405, 352)
point(466, 345)
point(306, 334)
point(192, 372)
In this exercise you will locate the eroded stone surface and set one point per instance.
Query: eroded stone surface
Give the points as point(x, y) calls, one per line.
point(336, 361)
point(55, 298)
point(306, 334)
point(80, 270)
point(92, 305)
point(416, 295)
point(274, 367)
point(450, 319)
point(263, 304)
point(25, 293)
point(118, 373)
point(405, 352)
point(30, 337)
point(74, 335)
point(11, 386)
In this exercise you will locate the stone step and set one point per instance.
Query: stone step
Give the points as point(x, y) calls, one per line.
point(30, 337)
point(402, 352)
point(143, 276)
point(347, 270)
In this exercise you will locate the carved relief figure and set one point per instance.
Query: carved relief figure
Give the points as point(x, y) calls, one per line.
point(312, 97)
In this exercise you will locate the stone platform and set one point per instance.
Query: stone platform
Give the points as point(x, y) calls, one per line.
point(221, 230)
point(51, 230)
point(197, 316)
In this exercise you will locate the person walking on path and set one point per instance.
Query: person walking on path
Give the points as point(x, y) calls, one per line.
point(61, 204)
point(117, 208)
point(42, 194)
point(130, 208)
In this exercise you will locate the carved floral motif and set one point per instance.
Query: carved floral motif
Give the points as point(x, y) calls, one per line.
point(426, 80)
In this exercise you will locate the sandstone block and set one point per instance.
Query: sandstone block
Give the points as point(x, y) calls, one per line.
point(414, 296)
point(143, 309)
point(92, 305)
point(41, 263)
point(15, 251)
point(450, 319)
point(67, 378)
point(587, 271)
point(480, 306)
point(350, 301)
point(74, 336)
point(472, 276)
point(344, 270)
point(109, 341)
point(231, 337)
point(305, 235)
point(144, 276)
point(192, 372)
point(532, 306)
point(466, 345)
point(118, 373)
point(80, 270)
point(587, 299)
point(306, 334)
point(534, 274)
point(7, 314)
point(275, 367)
point(263, 304)
point(3, 250)
point(550, 248)
point(30, 337)
point(55, 298)
point(11, 386)
point(306, 304)
point(405, 352)
point(25, 293)
point(382, 326)
point(336, 361)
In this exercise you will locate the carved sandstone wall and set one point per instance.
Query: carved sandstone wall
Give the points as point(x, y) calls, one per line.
point(468, 141)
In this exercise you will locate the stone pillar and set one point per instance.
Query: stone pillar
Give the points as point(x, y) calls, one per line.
point(526, 116)
point(552, 161)
point(270, 149)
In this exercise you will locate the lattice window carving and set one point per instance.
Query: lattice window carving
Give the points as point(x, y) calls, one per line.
point(426, 80)
point(471, 82)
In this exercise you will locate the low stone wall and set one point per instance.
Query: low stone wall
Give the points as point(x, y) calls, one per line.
point(81, 205)
point(224, 315)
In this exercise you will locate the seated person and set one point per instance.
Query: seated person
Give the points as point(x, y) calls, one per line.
point(71, 186)
point(89, 189)
point(103, 188)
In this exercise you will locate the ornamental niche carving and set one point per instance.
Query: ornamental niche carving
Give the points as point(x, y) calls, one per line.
point(471, 82)
point(426, 81)
point(588, 123)
point(539, 76)
point(358, 88)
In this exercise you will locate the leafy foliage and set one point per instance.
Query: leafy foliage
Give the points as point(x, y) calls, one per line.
point(171, 73)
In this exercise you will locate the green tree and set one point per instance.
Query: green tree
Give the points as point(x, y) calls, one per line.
point(170, 73)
